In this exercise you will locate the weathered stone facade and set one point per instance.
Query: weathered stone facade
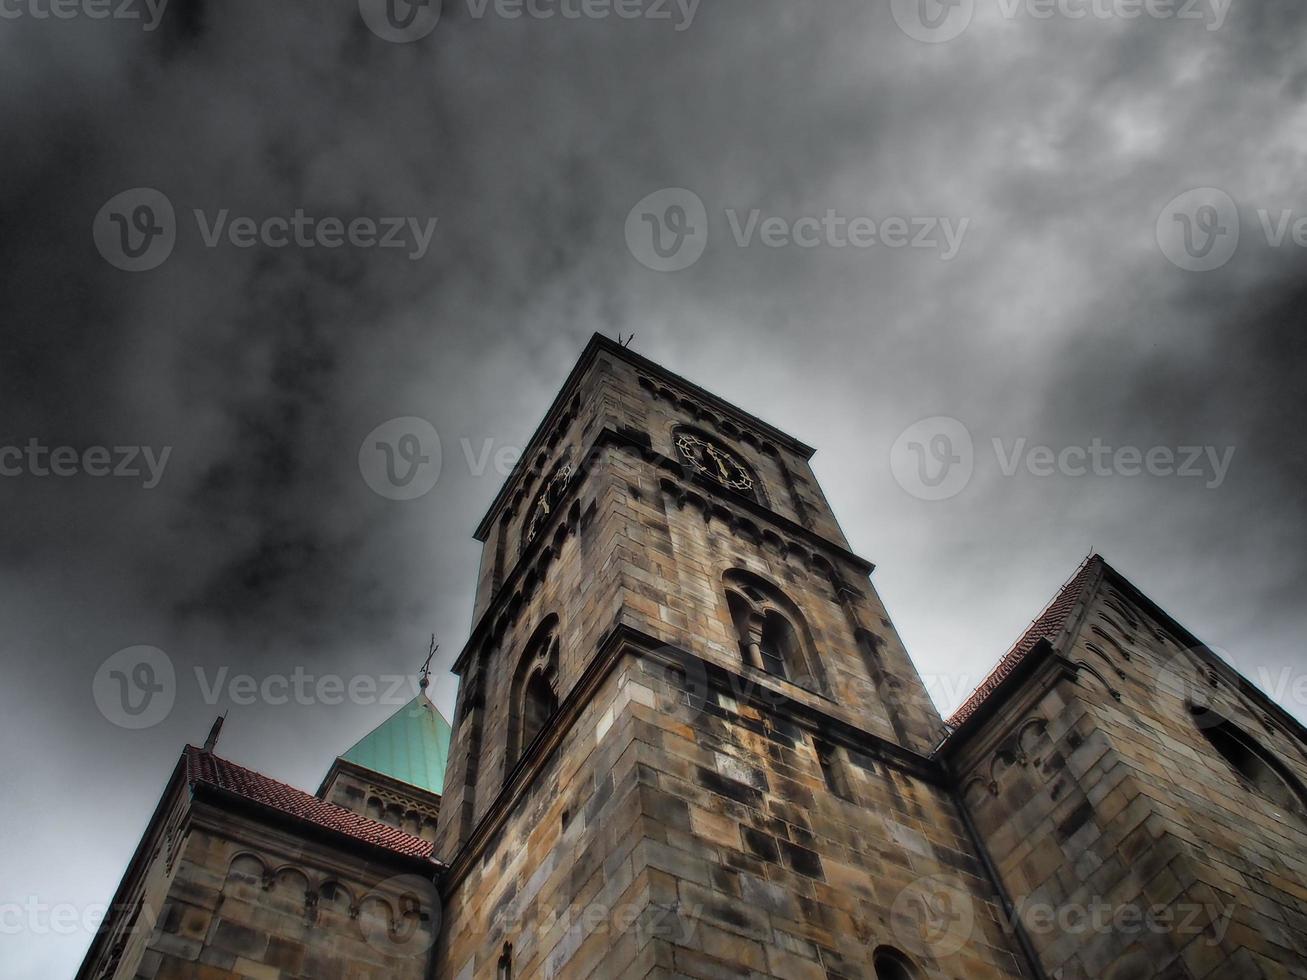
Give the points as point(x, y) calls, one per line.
point(689, 743)
point(1099, 797)
point(697, 807)
point(240, 876)
point(250, 903)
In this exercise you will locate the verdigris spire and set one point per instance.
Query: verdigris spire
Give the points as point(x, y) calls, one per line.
point(412, 745)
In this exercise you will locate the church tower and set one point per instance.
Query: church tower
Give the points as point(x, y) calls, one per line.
point(688, 743)
point(688, 740)
point(394, 774)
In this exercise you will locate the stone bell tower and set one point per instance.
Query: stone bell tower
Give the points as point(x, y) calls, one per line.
point(688, 740)
point(689, 744)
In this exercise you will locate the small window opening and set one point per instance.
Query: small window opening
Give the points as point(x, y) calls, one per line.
point(832, 770)
point(892, 965)
point(538, 708)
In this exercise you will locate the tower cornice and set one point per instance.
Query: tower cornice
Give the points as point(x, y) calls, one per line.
point(601, 344)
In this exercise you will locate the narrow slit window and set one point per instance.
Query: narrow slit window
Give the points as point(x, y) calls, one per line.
point(832, 770)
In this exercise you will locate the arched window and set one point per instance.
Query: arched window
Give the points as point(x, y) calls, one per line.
point(771, 631)
point(779, 645)
point(533, 697)
point(892, 965)
point(504, 970)
point(538, 707)
point(1267, 774)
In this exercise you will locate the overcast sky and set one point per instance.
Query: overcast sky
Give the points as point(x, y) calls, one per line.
point(1052, 148)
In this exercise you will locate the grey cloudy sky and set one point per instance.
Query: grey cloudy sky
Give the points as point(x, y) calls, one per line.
point(1060, 320)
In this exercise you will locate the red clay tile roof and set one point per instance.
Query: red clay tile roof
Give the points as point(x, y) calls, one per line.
point(1048, 626)
point(204, 767)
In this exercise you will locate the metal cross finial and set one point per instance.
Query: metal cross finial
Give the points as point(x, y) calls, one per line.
point(426, 664)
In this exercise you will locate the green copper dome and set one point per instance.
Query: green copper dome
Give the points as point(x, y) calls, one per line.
point(412, 745)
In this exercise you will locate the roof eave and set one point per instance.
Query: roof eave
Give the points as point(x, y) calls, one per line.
point(309, 829)
point(994, 701)
point(140, 857)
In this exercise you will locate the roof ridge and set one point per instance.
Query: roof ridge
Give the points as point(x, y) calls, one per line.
point(1047, 624)
point(232, 777)
point(1061, 593)
point(264, 776)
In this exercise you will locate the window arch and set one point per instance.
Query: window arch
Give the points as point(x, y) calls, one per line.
point(892, 965)
point(1256, 764)
point(1095, 649)
point(533, 698)
point(771, 631)
point(1126, 634)
point(1118, 605)
point(1111, 641)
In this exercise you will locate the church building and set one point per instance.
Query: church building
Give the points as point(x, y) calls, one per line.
point(689, 743)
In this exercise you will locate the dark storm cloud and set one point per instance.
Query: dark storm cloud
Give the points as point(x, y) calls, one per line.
point(262, 549)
